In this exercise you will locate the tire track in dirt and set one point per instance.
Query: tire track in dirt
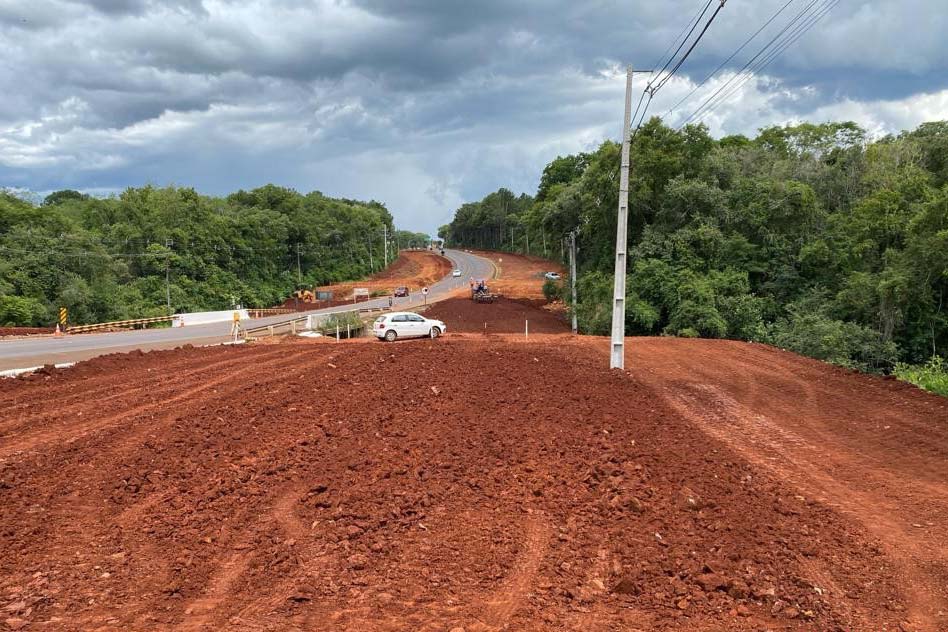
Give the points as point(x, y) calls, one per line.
point(787, 455)
point(200, 612)
point(500, 608)
point(39, 438)
point(59, 411)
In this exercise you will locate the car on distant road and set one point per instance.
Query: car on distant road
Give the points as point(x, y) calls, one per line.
point(553, 276)
point(400, 291)
point(456, 273)
point(397, 325)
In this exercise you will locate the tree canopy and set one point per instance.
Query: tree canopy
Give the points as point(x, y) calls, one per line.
point(123, 257)
point(811, 237)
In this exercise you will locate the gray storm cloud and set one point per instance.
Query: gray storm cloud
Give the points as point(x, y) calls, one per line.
point(419, 103)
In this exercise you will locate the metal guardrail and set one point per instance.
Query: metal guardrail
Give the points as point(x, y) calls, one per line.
point(273, 326)
point(269, 311)
point(78, 329)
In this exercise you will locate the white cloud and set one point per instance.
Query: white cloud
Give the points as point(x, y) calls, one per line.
point(420, 104)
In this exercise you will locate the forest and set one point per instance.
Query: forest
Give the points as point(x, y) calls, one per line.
point(812, 237)
point(150, 250)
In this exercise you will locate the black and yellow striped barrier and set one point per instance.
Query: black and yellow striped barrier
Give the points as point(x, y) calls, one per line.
point(79, 329)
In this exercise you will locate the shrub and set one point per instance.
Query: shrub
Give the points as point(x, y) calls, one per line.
point(552, 290)
point(932, 376)
point(839, 342)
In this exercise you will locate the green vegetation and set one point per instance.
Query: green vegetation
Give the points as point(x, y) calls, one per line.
point(342, 320)
point(932, 376)
point(118, 258)
point(810, 237)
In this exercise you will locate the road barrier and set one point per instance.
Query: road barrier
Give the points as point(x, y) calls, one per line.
point(78, 329)
point(205, 318)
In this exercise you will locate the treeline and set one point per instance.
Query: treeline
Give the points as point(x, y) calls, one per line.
point(131, 255)
point(810, 237)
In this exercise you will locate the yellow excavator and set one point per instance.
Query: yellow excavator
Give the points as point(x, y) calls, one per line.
point(305, 296)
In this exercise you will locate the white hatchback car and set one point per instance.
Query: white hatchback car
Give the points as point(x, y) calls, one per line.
point(397, 325)
point(456, 273)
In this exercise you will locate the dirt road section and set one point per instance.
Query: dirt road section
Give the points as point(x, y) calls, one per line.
point(503, 316)
point(312, 486)
point(414, 269)
point(519, 276)
point(874, 449)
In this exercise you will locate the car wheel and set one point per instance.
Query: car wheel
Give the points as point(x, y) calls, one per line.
point(390, 335)
point(435, 332)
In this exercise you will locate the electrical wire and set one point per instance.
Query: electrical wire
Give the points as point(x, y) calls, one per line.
point(732, 56)
point(794, 35)
point(689, 51)
point(683, 42)
point(797, 26)
point(658, 82)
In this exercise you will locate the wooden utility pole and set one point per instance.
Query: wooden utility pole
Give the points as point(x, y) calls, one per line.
point(572, 276)
point(617, 359)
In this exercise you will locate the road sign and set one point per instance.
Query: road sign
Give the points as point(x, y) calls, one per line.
point(63, 316)
point(424, 290)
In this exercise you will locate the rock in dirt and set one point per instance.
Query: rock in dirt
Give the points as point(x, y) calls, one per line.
point(710, 582)
point(627, 586)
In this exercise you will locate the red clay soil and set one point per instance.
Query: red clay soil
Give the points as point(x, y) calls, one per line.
point(413, 268)
point(24, 331)
point(503, 316)
point(519, 276)
point(874, 449)
point(311, 486)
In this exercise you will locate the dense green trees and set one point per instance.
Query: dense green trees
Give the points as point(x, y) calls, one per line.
point(124, 257)
point(811, 237)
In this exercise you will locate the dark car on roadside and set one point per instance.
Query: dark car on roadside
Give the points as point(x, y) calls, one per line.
point(400, 291)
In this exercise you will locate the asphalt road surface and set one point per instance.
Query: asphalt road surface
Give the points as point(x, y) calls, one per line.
point(21, 353)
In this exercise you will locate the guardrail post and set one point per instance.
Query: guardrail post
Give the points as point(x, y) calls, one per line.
point(293, 327)
point(270, 329)
point(337, 333)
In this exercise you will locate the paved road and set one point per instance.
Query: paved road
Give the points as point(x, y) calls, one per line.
point(36, 351)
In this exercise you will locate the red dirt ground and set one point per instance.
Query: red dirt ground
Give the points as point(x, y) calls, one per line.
point(475, 482)
point(503, 316)
point(519, 276)
point(413, 268)
point(506, 485)
point(24, 331)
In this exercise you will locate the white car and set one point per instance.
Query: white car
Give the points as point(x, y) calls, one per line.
point(397, 325)
point(456, 273)
point(553, 276)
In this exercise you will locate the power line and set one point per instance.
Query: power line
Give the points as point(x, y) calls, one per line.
point(684, 41)
point(797, 26)
point(732, 56)
point(794, 35)
point(658, 82)
point(694, 20)
point(689, 51)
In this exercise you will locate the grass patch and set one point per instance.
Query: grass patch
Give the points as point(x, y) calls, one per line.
point(932, 376)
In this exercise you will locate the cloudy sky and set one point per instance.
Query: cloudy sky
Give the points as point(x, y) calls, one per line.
point(422, 104)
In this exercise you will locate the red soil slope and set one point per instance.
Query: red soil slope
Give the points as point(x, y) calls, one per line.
point(467, 482)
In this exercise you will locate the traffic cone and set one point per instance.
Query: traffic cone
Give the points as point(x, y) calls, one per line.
point(58, 331)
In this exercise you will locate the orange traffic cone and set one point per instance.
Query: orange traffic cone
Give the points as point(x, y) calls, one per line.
point(58, 331)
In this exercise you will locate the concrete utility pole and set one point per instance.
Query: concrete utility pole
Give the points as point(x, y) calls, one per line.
point(617, 359)
point(572, 275)
point(299, 270)
point(385, 239)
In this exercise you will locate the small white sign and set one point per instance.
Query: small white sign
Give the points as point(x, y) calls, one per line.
point(424, 290)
